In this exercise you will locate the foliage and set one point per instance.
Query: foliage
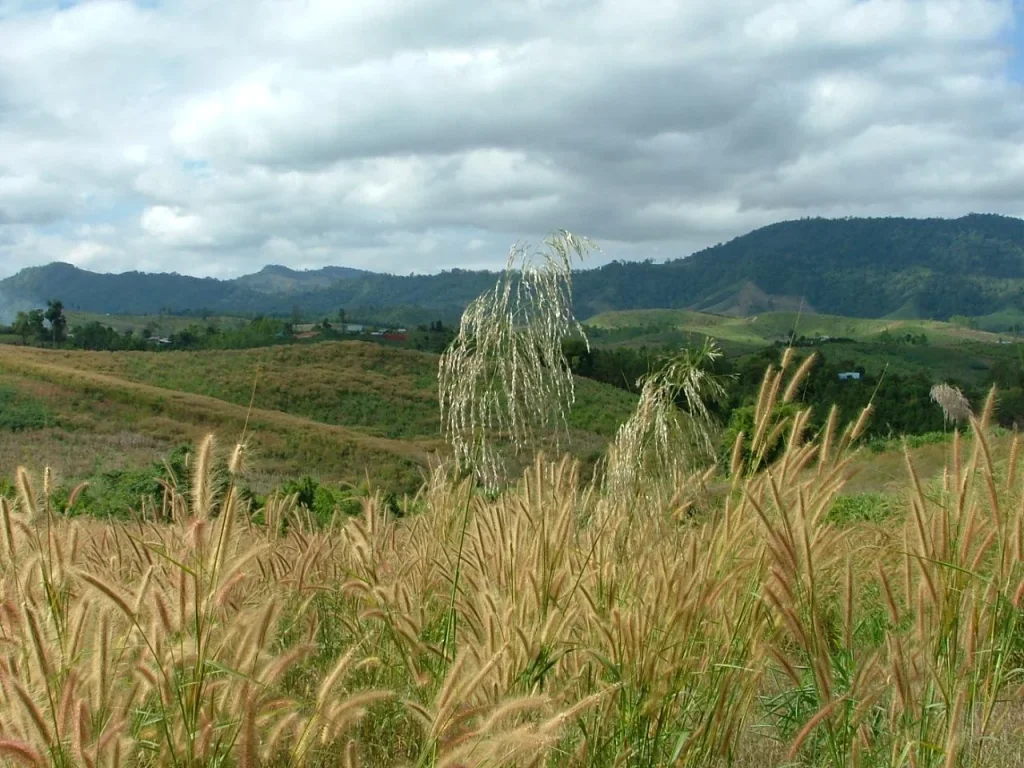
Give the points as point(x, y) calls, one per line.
point(29, 325)
point(19, 412)
point(322, 501)
point(671, 430)
point(850, 509)
point(54, 315)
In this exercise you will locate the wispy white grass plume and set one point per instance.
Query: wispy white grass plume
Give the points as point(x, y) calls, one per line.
point(505, 380)
point(955, 406)
point(661, 438)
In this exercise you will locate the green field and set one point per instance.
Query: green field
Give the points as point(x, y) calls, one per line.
point(339, 411)
point(770, 327)
point(943, 351)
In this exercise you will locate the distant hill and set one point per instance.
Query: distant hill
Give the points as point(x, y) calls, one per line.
point(275, 278)
point(877, 267)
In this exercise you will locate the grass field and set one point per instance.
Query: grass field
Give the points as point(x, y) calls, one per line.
point(765, 620)
point(775, 326)
point(951, 352)
point(338, 411)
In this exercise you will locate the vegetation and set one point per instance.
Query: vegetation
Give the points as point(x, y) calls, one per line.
point(505, 375)
point(778, 626)
point(906, 268)
point(18, 412)
point(752, 612)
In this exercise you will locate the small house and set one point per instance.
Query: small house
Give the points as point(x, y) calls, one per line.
point(845, 375)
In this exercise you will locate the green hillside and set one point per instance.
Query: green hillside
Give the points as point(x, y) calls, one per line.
point(939, 350)
point(337, 410)
point(766, 328)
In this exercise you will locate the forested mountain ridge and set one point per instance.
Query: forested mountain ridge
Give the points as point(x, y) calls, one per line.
point(862, 267)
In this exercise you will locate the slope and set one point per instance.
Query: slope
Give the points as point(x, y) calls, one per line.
point(338, 409)
point(768, 327)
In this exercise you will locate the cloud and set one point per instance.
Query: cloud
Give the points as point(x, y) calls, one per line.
point(212, 138)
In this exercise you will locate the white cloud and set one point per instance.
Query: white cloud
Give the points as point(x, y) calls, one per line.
point(211, 138)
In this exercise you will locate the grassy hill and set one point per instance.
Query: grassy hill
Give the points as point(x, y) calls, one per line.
point(769, 327)
point(878, 267)
point(337, 410)
point(949, 351)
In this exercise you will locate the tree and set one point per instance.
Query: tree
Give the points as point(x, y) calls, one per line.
point(58, 323)
point(22, 327)
point(28, 324)
point(341, 317)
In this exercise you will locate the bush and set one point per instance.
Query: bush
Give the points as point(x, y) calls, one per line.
point(19, 412)
point(861, 507)
point(892, 443)
point(321, 500)
point(115, 494)
point(742, 420)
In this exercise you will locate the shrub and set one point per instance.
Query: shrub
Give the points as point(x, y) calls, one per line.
point(19, 412)
point(320, 499)
point(861, 507)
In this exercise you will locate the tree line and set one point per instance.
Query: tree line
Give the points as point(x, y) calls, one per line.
point(49, 327)
point(44, 326)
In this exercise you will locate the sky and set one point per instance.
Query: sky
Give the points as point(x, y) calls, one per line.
point(214, 138)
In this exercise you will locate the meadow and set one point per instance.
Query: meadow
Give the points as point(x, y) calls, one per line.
point(770, 623)
point(343, 412)
point(798, 599)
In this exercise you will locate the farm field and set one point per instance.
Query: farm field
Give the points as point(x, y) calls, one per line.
point(947, 352)
point(769, 327)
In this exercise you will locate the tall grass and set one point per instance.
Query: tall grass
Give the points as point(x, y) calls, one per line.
point(577, 632)
point(504, 380)
point(726, 621)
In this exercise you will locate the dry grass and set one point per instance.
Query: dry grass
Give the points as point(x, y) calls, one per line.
point(553, 623)
point(80, 454)
point(505, 376)
point(286, 444)
point(550, 625)
point(336, 410)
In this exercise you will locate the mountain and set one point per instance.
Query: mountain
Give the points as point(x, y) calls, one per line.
point(861, 267)
point(275, 278)
point(125, 293)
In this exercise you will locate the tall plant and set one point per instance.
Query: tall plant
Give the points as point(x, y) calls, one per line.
point(672, 429)
point(504, 380)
